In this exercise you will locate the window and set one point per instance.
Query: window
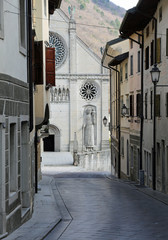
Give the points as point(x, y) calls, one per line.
point(152, 53)
point(122, 146)
point(127, 103)
point(22, 26)
point(1, 20)
point(121, 104)
point(132, 156)
point(146, 105)
point(131, 105)
point(167, 42)
point(13, 160)
point(147, 31)
point(166, 104)
point(150, 164)
point(160, 14)
point(157, 105)
point(45, 8)
point(139, 60)
point(138, 105)
point(158, 50)
point(153, 24)
point(151, 104)
point(147, 58)
point(158, 161)
point(121, 74)
point(131, 65)
point(126, 71)
point(131, 44)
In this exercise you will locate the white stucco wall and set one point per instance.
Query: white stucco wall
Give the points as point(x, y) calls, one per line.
point(92, 65)
point(13, 62)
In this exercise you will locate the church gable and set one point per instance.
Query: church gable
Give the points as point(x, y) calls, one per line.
point(87, 61)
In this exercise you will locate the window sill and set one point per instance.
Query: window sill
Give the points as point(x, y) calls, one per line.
point(12, 197)
point(1, 35)
point(23, 50)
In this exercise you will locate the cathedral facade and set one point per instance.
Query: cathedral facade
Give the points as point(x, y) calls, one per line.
point(79, 101)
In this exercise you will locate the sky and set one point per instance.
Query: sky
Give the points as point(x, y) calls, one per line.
point(127, 4)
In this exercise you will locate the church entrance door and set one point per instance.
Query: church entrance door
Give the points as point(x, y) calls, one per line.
point(49, 143)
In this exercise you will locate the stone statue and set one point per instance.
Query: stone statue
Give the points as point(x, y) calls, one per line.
point(89, 123)
point(71, 10)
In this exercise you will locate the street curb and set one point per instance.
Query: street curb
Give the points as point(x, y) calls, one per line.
point(159, 196)
point(58, 222)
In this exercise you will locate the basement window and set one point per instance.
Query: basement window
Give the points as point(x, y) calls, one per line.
point(13, 160)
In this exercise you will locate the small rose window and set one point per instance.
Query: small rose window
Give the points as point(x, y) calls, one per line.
point(88, 91)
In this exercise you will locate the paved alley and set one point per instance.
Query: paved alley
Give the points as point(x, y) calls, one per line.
point(95, 207)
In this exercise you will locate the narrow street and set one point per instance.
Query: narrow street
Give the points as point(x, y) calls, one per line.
point(95, 207)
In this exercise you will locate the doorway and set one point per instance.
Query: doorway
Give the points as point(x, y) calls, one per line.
point(49, 143)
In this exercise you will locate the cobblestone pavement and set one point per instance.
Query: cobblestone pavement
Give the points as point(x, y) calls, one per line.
point(94, 207)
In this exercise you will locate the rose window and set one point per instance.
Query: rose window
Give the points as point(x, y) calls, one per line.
point(55, 41)
point(88, 91)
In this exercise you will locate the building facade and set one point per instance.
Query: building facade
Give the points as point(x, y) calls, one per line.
point(15, 158)
point(80, 94)
point(145, 27)
point(20, 71)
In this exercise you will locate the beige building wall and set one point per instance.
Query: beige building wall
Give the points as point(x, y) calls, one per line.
point(161, 122)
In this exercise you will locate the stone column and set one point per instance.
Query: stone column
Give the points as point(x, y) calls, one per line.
point(105, 106)
point(72, 46)
point(73, 79)
point(73, 110)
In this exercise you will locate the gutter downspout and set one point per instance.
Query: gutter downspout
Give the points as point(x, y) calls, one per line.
point(154, 117)
point(142, 118)
point(29, 64)
point(119, 121)
point(110, 110)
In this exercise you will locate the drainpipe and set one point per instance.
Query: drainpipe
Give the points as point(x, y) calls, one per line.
point(118, 120)
point(29, 63)
point(154, 118)
point(110, 111)
point(141, 177)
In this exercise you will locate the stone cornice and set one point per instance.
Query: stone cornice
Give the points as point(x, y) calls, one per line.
point(75, 77)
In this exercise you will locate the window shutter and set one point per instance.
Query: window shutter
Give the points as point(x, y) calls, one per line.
point(147, 58)
point(138, 104)
point(132, 105)
point(152, 53)
point(158, 105)
point(158, 50)
point(50, 66)
point(38, 62)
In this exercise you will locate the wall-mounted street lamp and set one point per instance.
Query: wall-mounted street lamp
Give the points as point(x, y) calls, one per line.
point(155, 75)
point(105, 121)
point(124, 110)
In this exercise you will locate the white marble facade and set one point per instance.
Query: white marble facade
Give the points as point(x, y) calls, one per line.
point(81, 84)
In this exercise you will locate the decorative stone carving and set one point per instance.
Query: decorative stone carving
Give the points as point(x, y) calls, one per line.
point(88, 91)
point(71, 11)
point(57, 42)
point(89, 127)
point(59, 94)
